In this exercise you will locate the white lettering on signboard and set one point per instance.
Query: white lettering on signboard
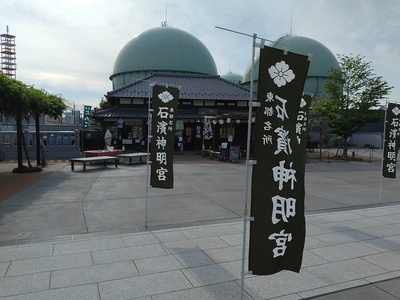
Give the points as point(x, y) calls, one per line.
point(283, 207)
point(280, 239)
point(281, 175)
point(161, 174)
point(283, 141)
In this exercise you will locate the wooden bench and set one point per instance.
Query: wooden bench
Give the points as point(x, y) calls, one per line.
point(132, 155)
point(100, 159)
point(214, 154)
point(205, 152)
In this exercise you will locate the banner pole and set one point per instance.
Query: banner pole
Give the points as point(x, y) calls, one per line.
point(204, 123)
point(148, 153)
point(245, 212)
point(383, 151)
point(83, 131)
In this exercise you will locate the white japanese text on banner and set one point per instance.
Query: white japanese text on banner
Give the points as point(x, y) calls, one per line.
point(165, 104)
point(207, 128)
point(86, 115)
point(277, 233)
point(391, 145)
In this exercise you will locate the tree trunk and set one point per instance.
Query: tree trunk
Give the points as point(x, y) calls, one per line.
point(345, 146)
point(18, 119)
point(26, 151)
point(37, 140)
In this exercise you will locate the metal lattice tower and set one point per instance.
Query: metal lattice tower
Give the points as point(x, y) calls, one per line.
point(8, 55)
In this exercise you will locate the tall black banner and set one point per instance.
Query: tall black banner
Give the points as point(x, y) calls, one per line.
point(165, 104)
point(277, 233)
point(391, 143)
point(86, 115)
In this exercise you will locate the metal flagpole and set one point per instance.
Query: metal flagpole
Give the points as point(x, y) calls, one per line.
point(83, 132)
point(383, 152)
point(246, 218)
point(245, 212)
point(148, 153)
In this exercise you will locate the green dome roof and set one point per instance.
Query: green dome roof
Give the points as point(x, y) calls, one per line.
point(233, 77)
point(322, 61)
point(162, 49)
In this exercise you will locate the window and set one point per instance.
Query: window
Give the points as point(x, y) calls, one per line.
point(209, 103)
point(137, 101)
point(136, 132)
point(124, 101)
point(198, 102)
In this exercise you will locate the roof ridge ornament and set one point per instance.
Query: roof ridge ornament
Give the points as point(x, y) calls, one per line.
point(165, 23)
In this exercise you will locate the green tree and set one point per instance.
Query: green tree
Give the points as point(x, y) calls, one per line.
point(104, 103)
point(42, 103)
point(21, 102)
point(352, 97)
point(13, 102)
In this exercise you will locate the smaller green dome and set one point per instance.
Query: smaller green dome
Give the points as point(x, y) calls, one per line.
point(233, 77)
point(322, 61)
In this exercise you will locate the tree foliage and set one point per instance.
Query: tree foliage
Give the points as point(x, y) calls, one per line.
point(104, 103)
point(20, 101)
point(16, 98)
point(352, 95)
point(12, 96)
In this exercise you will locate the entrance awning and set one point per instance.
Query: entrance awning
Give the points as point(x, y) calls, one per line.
point(138, 113)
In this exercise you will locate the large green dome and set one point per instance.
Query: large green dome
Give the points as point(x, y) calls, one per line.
point(322, 61)
point(162, 49)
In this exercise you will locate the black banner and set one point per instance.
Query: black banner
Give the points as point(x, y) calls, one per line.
point(391, 143)
point(165, 104)
point(302, 124)
point(277, 233)
point(86, 115)
point(207, 128)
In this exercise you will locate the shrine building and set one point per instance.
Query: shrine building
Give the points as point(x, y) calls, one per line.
point(166, 55)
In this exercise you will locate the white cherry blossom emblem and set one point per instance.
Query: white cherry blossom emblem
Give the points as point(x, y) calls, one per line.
point(302, 103)
point(281, 74)
point(396, 111)
point(165, 96)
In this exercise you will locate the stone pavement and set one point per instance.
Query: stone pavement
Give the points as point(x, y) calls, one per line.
point(11, 183)
point(192, 247)
point(343, 250)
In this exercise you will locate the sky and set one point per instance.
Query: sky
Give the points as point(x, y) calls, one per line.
point(69, 47)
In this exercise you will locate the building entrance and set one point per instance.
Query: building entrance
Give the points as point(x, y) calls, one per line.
point(193, 136)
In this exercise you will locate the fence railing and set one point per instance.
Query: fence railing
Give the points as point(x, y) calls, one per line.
point(57, 144)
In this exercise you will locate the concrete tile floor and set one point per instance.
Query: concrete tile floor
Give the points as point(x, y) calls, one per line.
point(352, 241)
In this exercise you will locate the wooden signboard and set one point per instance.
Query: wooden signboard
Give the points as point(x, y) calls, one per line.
point(234, 154)
point(224, 152)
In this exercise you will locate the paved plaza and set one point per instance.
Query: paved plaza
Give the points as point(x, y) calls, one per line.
point(82, 235)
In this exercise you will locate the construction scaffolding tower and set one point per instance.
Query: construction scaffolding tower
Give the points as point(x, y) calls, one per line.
point(8, 55)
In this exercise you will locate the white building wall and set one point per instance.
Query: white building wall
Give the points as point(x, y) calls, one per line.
point(370, 138)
